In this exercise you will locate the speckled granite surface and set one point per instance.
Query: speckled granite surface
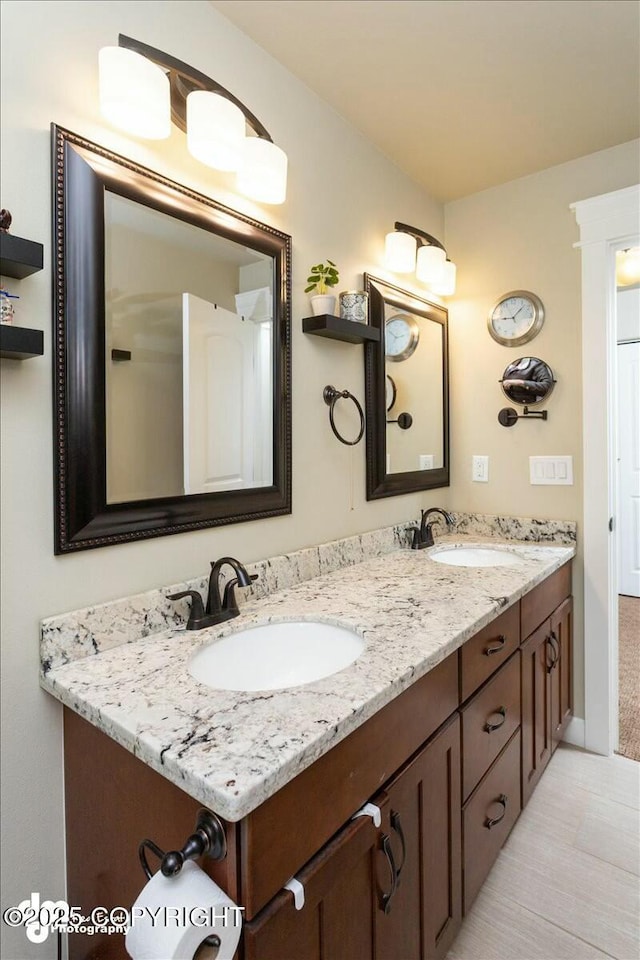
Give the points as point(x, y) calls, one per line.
point(232, 750)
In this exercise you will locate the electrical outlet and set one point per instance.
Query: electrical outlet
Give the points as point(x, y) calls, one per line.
point(425, 461)
point(480, 469)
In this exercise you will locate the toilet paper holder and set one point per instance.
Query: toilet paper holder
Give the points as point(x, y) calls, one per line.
point(208, 839)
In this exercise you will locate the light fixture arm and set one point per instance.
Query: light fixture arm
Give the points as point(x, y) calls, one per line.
point(420, 235)
point(183, 80)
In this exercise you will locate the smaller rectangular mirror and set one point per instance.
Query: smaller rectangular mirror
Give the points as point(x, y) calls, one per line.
point(407, 393)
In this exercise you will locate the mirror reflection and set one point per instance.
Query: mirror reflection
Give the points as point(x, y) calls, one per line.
point(189, 357)
point(406, 393)
point(414, 377)
point(527, 381)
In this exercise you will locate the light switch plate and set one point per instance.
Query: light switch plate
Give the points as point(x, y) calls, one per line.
point(551, 471)
point(480, 469)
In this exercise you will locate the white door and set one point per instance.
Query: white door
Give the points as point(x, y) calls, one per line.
point(218, 397)
point(629, 469)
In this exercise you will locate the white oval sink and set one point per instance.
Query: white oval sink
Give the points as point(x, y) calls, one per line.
point(475, 557)
point(275, 656)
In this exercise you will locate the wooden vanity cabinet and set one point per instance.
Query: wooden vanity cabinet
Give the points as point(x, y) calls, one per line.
point(388, 892)
point(547, 687)
point(449, 791)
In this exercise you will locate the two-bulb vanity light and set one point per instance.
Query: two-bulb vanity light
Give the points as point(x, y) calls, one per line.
point(409, 250)
point(143, 90)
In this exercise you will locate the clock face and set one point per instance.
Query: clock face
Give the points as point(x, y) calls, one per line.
point(516, 318)
point(401, 335)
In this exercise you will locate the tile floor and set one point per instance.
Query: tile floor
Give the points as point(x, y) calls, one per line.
point(566, 884)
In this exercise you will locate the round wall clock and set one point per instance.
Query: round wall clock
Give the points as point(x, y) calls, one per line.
point(401, 335)
point(516, 318)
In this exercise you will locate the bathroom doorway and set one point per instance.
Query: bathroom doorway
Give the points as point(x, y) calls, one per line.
point(607, 224)
point(628, 497)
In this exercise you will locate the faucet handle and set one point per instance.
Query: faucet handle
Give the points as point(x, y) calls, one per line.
point(229, 601)
point(196, 613)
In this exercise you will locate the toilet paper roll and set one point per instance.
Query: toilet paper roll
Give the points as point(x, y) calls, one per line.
point(173, 915)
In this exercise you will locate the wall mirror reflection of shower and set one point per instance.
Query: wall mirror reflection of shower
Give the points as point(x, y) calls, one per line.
point(189, 406)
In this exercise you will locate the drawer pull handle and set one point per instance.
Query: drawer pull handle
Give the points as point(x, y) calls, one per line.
point(556, 644)
point(397, 826)
point(491, 822)
point(385, 900)
point(490, 727)
point(549, 645)
point(499, 646)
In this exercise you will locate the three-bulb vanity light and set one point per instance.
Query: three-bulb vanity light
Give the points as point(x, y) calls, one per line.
point(143, 90)
point(409, 250)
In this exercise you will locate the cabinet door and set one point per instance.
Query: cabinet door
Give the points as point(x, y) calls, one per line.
point(537, 662)
point(342, 884)
point(423, 821)
point(561, 676)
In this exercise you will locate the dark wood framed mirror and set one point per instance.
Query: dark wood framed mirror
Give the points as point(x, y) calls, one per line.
point(172, 368)
point(406, 392)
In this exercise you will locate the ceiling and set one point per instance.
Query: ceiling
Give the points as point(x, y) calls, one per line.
point(463, 94)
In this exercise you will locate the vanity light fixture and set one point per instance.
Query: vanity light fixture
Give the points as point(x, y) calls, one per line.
point(408, 249)
point(143, 90)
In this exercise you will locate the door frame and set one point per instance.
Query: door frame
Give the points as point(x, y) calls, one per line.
point(607, 223)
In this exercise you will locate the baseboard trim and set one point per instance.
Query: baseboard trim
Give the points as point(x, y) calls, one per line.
point(574, 734)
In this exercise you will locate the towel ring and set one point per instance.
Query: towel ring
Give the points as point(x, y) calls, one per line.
point(331, 397)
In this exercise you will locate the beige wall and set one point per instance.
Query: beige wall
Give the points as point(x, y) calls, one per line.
point(343, 197)
point(520, 236)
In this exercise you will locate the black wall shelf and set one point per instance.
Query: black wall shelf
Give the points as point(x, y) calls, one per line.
point(20, 343)
point(335, 328)
point(19, 258)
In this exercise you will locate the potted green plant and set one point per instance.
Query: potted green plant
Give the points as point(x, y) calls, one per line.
point(321, 277)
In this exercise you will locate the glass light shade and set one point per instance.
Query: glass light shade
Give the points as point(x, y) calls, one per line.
point(628, 267)
point(430, 264)
point(262, 174)
point(446, 286)
point(215, 130)
point(134, 93)
point(400, 252)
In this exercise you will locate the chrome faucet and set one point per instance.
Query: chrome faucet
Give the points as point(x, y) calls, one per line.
point(423, 535)
point(217, 609)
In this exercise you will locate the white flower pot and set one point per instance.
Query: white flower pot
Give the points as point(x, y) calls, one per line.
point(323, 303)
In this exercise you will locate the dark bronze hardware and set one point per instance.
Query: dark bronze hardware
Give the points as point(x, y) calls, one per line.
point(404, 421)
point(331, 397)
point(490, 727)
point(556, 643)
point(489, 651)
point(508, 417)
point(491, 822)
point(385, 900)
point(208, 839)
point(549, 645)
point(423, 535)
point(396, 825)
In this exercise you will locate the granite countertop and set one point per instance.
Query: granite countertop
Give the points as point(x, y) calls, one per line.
point(232, 750)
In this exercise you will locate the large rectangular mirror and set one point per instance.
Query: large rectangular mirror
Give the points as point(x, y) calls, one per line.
point(407, 393)
point(172, 364)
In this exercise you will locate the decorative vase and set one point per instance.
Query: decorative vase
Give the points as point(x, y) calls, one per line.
point(354, 305)
point(323, 303)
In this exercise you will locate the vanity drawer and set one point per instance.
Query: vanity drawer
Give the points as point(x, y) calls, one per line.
point(540, 602)
point(489, 721)
point(488, 816)
point(489, 649)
